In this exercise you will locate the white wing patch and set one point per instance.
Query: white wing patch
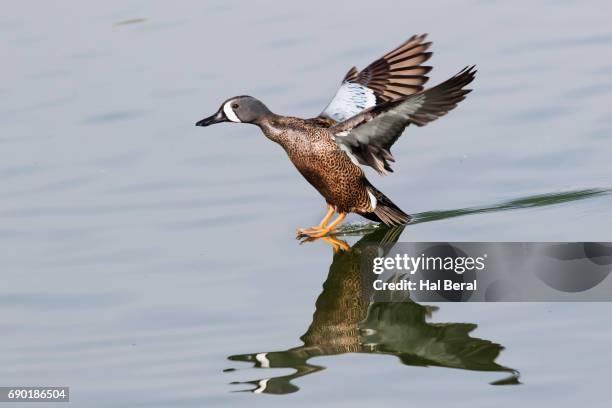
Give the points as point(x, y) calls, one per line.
point(350, 99)
point(263, 360)
point(229, 112)
point(261, 386)
point(373, 200)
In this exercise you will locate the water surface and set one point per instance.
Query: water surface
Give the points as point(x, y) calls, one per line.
point(143, 256)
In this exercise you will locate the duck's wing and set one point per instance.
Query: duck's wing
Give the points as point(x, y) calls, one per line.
point(368, 136)
point(396, 74)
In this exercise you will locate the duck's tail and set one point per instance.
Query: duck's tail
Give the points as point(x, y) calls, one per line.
point(385, 210)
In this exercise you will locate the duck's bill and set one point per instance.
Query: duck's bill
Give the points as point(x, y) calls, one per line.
point(211, 120)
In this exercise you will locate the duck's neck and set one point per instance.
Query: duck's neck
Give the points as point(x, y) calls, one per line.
point(275, 128)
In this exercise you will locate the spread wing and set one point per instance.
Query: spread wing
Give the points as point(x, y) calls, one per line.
point(368, 136)
point(397, 74)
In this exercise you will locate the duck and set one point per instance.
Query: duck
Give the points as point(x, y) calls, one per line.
point(369, 112)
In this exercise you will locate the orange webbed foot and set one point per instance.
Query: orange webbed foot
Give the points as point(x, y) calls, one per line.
point(321, 230)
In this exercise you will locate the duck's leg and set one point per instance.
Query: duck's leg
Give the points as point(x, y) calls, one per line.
point(325, 230)
point(306, 231)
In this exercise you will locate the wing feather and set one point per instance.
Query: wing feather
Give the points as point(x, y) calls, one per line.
point(396, 74)
point(370, 134)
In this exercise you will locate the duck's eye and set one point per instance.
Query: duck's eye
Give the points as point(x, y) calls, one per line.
point(234, 106)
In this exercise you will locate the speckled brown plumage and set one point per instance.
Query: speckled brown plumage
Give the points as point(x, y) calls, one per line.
point(313, 151)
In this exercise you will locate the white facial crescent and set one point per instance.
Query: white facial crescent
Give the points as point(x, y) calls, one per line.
point(229, 112)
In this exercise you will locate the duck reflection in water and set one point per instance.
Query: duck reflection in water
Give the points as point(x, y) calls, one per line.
point(345, 321)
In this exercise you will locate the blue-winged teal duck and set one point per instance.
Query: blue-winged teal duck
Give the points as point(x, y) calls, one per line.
point(367, 115)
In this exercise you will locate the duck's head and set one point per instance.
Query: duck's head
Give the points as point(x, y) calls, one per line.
point(239, 109)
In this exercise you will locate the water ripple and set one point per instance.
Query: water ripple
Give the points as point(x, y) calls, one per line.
point(559, 43)
point(115, 116)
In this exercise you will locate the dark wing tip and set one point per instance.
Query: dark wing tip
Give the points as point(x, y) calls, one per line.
point(469, 70)
point(459, 80)
point(444, 97)
point(351, 74)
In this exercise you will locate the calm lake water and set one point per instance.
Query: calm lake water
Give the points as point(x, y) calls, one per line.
point(147, 262)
